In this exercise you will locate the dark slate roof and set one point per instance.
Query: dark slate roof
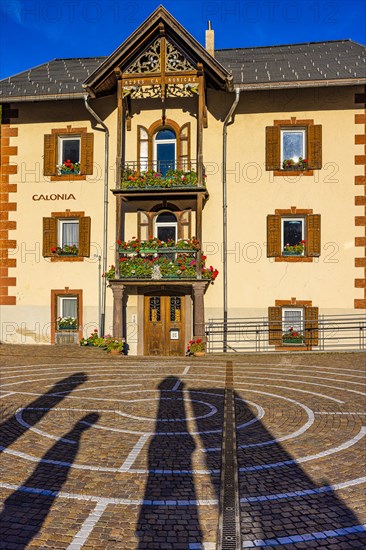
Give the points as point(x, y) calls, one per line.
point(312, 63)
point(59, 78)
point(294, 63)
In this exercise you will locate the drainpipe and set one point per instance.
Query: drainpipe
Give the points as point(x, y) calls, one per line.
point(105, 218)
point(224, 207)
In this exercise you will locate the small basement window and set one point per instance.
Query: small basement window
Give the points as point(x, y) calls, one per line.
point(292, 326)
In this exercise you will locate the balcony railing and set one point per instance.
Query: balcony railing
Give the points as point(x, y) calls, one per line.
point(156, 260)
point(184, 174)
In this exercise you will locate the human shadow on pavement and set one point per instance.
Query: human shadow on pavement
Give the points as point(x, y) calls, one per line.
point(26, 509)
point(11, 429)
point(163, 522)
point(278, 500)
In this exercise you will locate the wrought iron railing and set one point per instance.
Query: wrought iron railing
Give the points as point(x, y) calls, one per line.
point(183, 174)
point(327, 333)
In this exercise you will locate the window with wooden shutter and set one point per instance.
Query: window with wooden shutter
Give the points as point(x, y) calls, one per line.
point(50, 155)
point(84, 236)
point(49, 236)
point(313, 235)
point(293, 235)
point(65, 230)
point(273, 149)
point(312, 326)
point(314, 146)
point(294, 146)
point(87, 154)
point(273, 236)
point(275, 326)
point(62, 145)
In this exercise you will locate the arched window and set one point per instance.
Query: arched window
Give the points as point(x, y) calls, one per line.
point(166, 226)
point(165, 150)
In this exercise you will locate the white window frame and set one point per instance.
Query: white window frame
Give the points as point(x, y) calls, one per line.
point(293, 130)
point(63, 138)
point(292, 309)
point(60, 301)
point(63, 221)
point(290, 219)
point(165, 224)
point(162, 142)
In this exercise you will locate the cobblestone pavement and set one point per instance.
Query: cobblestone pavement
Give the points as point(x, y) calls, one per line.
point(101, 452)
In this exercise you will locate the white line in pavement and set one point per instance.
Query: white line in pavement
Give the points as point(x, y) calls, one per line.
point(354, 412)
point(134, 453)
point(333, 450)
point(186, 370)
point(300, 431)
point(22, 422)
point(7, 394)
point(308, 384)
point(82, 536)
point(343, 447)
point(248, 374)
point(140, 502)
point(289, 388)
point(176, 385)
point(306, 492)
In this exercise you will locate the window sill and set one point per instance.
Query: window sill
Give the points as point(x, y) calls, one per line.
point(292, 173)
point(294, 258)
point(67, 258)
point(304, 347)
point(68, 177)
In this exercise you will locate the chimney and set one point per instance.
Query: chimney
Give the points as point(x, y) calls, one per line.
point(210, 40)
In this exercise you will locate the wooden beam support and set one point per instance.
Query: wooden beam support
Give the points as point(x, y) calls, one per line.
point(200, 112)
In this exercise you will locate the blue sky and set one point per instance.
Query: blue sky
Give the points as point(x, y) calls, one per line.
point(33, 32)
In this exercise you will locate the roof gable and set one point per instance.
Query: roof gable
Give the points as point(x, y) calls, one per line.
point(181, 48)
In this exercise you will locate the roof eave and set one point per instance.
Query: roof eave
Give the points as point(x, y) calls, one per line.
point(301, 84)
point(48, 97)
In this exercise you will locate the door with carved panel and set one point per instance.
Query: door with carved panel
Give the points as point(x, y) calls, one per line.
point(164, 325)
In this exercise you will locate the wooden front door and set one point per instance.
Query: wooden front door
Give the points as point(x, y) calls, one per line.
point(164, 325)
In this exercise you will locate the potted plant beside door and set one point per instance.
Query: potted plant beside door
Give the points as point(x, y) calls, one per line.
point(196, 347)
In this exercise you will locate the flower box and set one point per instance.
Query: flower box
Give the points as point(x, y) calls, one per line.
point(291, 253)
point(298, 341)
point(67, 328)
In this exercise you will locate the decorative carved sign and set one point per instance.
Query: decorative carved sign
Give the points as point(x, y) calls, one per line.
point(150, 60)
point(175, 60)
point(181, 90)
point(147, 62)
point(141, 92)
point(172, 90)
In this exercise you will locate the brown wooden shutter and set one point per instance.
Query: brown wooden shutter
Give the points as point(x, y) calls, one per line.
point(273, 236)
point(314, 152)
point(50, 155)
point(86, 154)
point(184, 224)
point(144, 152)
point(273, 148)
point(184, 161)
point(49, 236)
point(275, 326)
point(143, 226)
point(84, 236)
point(311, 326)
point(313, 235)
